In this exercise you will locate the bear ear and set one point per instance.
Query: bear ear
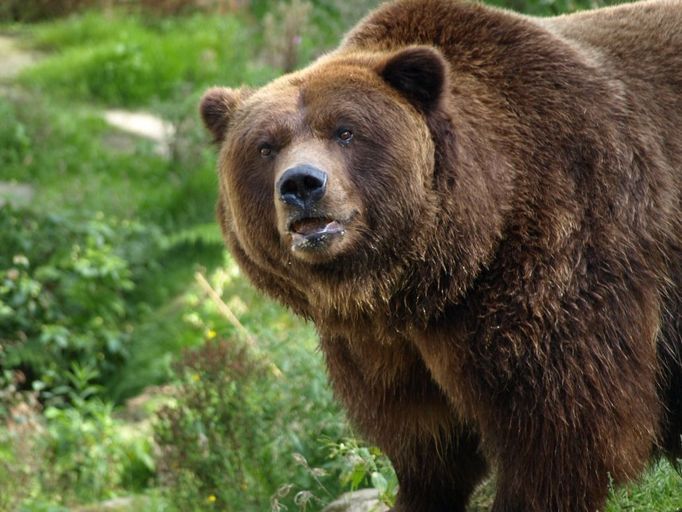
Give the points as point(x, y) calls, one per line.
point(419, 73)
point(217, 107)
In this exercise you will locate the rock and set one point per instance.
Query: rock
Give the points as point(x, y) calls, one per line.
point(143, 406)
point(122, 504)
point(364, 500)
point(14, 59)
point(16, 194)
point(145, 125)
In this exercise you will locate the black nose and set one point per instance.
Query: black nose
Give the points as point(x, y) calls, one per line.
point(302, 186)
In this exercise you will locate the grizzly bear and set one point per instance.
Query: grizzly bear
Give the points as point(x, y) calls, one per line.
point(481, 212)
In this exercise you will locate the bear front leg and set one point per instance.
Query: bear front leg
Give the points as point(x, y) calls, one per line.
point(551, 475)
point(439, 478)
point(400, 408)
point(563, 407)
point(559, 443)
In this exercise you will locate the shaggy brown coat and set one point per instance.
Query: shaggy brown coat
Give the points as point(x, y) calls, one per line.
point(507, 290)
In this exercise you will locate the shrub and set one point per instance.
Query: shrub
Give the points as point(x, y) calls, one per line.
point(79, 453)
point(32, 10)
point(210, 441)
point(350, 465)
point(20, 449)
point(91, 455)
point(64, 284)
point(298, 414)
point(238, 438)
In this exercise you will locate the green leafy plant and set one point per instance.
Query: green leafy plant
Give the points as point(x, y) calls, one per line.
point(209, 440)
point(63, 289)
point(21, 431)
point(365, 466)
point(91, 455)
point(236, 440)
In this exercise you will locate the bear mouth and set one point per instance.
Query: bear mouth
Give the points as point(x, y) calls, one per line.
point(310, 233)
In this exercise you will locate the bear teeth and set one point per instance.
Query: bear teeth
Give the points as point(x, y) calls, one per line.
point(310, 225)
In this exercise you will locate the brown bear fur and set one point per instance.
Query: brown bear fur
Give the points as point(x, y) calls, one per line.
point(502, 285)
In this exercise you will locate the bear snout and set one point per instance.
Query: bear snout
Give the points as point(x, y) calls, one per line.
point(302, 186)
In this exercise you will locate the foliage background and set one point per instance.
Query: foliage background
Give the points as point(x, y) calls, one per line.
point(120, 374)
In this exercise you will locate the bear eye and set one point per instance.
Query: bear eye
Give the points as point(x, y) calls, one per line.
point(265, 150)
point(344, 135)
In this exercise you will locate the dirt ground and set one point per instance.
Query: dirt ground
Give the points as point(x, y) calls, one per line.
point(13, 57)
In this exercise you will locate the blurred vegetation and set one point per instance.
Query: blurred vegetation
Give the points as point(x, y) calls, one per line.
point(120, 373)
point(66, 297)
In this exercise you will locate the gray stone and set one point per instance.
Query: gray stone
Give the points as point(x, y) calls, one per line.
point(14, 59)
point(364, 500)
point(16, 194)
point(145, 125)
point(122, 504)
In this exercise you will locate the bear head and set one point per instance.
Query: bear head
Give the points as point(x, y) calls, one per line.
point(328, 177)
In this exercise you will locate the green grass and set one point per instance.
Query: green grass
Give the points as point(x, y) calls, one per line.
point(75, 160)
point(125, 61)
point(61, 150)
point(658, 490)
